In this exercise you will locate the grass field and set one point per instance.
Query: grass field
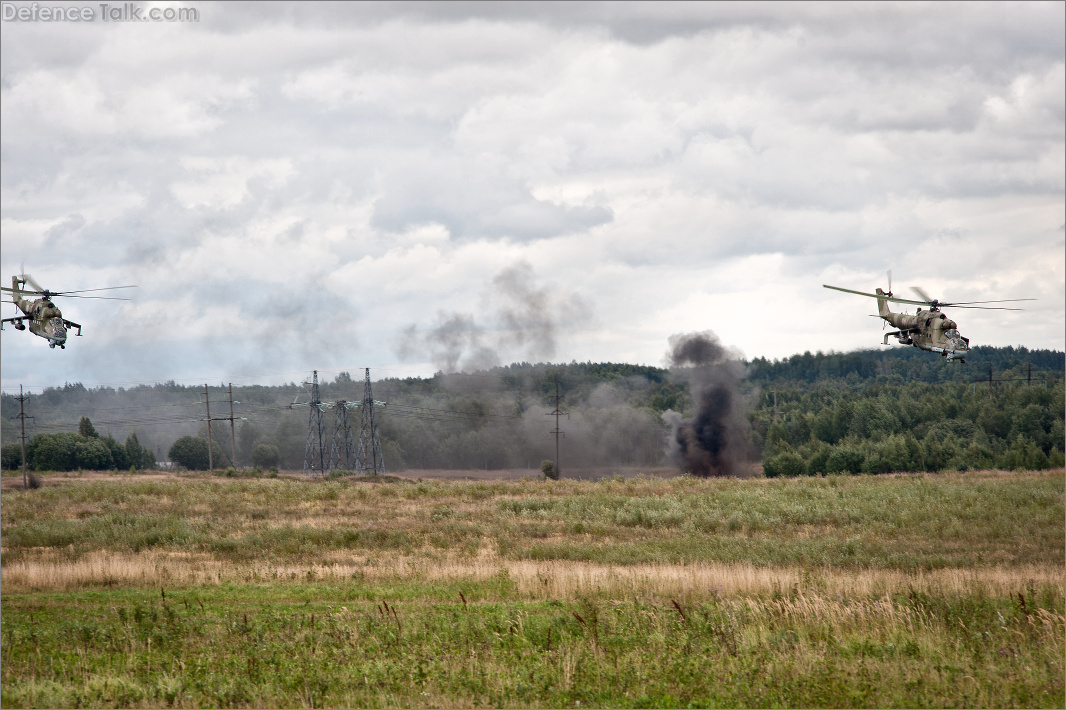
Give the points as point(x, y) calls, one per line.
point(927, 590)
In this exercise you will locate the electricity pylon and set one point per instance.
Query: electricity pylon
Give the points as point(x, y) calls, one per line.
point(372, 460)
point(342, 453)
point(314, 457)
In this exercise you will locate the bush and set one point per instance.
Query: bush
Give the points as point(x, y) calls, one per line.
point(66, 451)
point(265, 456)
point(548, 469)
point(191, 452)
point(788, 464)
point(844, 460)
point(92, 454)
point(119, 457)
point(140, 456)
point(52, 452)
point(816, 466)
point(11, 456)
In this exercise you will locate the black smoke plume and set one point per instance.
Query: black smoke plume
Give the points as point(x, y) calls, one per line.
point(698, 349)
point(714, 442)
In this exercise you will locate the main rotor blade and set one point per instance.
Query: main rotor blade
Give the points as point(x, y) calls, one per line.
point(22, 290)
point(923, 294)
point(981, 308)
point(70, 294)
point(102, 298)
point(87, 290)
point(874, 295)
point(1001, 300)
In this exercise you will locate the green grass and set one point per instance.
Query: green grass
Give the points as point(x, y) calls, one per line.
point(410, 622)
point(358, 644)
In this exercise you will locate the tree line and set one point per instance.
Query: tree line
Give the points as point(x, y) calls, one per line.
point(868, 411)
point(67, 451)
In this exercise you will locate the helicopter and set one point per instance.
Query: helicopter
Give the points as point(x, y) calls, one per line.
point(45, 319)
point(928, 329)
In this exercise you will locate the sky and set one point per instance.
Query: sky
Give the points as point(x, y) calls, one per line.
point(412, 187)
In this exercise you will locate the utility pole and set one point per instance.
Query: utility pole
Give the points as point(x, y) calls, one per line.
point(1029, 379)
point(210, 455)
point(557, 431)
point(232, 428)
point(368, 433)
point(990, 382)
point(22, 421)
point(775, 405)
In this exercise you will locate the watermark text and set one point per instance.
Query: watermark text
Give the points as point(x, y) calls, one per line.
point(105, 12)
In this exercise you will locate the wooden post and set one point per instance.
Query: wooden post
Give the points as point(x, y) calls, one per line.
point(210, 456)
point(232, 428)
point(22, 420)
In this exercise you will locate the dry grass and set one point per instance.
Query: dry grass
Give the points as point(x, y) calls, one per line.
point(533, 580)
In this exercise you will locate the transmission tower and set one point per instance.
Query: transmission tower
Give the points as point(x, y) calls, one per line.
point(342, 450)
point(368, 434)
point(314, 456)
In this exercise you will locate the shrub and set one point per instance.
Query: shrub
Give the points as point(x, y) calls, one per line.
point(140, 456)
point(119, 457)
point(93, 454)
point(548, 469)
point(11, 456)
point(788, 464)
point(265, 456)
point(190, 452)
point(53, 452)
point(816, 466)
point(844, 460)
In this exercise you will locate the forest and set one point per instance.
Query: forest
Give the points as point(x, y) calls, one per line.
point(869, 411)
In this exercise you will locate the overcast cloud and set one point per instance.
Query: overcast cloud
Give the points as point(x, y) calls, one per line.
point(323, 186)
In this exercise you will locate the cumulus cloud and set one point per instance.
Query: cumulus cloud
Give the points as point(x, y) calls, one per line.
point(378, 163)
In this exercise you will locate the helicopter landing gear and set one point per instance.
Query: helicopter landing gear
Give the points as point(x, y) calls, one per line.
point(52, 345)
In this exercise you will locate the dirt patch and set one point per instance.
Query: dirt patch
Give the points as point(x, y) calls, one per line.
point(517, 474)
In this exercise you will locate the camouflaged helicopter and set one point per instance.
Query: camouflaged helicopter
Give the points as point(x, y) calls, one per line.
point(45, 319)
point(928, 329)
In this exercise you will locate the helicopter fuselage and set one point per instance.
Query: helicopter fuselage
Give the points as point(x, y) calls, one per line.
point(928, 330)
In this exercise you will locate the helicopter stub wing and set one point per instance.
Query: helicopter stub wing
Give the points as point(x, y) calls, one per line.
point(886, 297)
